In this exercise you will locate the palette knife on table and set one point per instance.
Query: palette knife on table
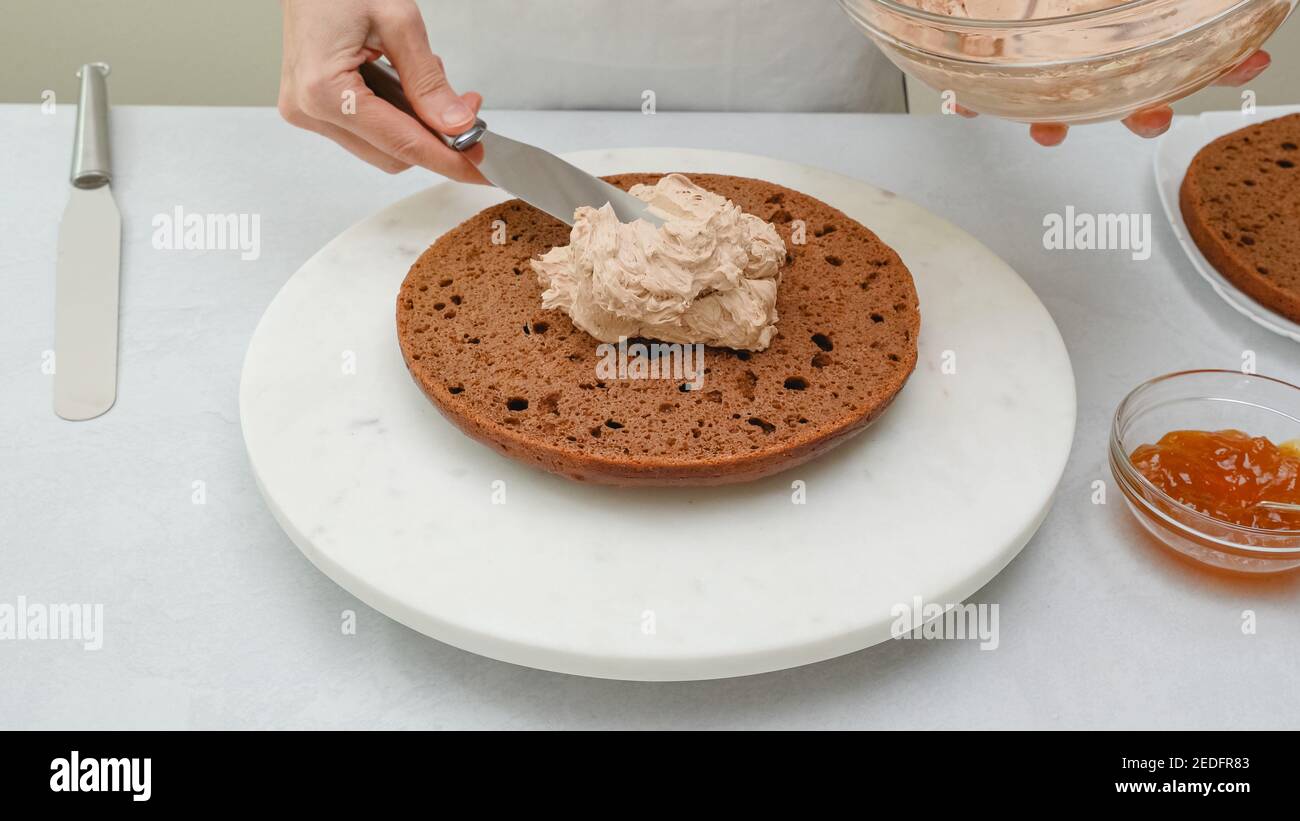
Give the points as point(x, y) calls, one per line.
point(86, 274)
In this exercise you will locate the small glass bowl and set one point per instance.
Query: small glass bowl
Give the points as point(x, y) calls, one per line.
point(1085, 67)
point(1205, 400)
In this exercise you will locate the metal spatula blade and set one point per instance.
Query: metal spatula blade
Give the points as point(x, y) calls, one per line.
point(86, 296)
point(87, 271)
point(537, 177)
point(550, 184)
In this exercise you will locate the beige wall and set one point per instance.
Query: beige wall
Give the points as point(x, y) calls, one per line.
point(226, 52)
point(174, 52)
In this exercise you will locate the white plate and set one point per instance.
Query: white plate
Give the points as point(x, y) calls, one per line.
point(395, 505)
point(1174, 154)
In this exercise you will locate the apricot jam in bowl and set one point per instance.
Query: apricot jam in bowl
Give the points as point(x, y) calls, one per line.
point(1209, 463)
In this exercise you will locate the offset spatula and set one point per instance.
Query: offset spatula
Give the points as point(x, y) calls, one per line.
point(537, 177)
point(86, 278)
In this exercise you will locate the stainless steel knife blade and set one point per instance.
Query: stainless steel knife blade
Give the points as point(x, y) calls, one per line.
point(537, 177)
point(550, 184)
point(87, 271)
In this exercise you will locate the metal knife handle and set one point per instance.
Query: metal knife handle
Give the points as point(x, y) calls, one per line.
point(90, 159)
point(383, 80)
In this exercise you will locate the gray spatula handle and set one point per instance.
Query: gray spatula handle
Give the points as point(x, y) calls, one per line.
point(90, 159)
point(383, 80)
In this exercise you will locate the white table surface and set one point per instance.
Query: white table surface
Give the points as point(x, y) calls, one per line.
point(214, 620)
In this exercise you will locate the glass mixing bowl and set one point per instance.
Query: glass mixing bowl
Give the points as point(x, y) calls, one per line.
point(1205, 400)
point(1083, 67)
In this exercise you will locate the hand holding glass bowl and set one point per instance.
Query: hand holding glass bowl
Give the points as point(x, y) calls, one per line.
point(1056, 63)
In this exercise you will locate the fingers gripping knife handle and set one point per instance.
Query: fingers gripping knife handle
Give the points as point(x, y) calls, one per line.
point(383, 81)
point(91, 167)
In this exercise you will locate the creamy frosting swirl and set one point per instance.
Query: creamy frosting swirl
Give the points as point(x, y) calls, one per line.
point(709, 274)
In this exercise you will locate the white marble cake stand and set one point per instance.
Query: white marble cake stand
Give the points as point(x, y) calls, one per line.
point(396, 505)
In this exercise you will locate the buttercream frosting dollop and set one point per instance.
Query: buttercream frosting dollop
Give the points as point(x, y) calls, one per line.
point(710, 274)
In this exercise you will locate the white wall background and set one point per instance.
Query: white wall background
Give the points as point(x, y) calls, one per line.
point(738, 55)
point(695, 54)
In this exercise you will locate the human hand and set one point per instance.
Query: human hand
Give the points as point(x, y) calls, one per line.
point(322, 91)
point(1150, 122)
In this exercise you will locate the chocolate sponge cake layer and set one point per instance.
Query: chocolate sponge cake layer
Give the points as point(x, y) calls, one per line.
point(1241, 202)
point(528, 383)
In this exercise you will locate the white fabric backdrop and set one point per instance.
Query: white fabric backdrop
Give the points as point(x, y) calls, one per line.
point(721, 55)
